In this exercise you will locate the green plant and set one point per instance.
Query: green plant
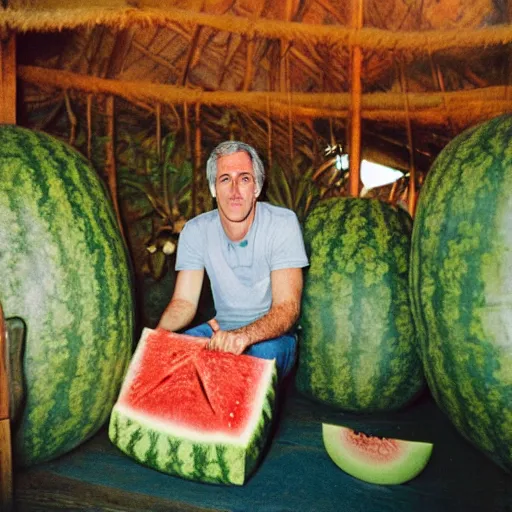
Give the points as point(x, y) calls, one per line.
point(160, 192)
point(294, 189)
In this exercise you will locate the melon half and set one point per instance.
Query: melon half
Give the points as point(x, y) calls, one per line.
point(192, 412)
point(377, 460)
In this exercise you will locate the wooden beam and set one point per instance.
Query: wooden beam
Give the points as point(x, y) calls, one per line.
point(49, 20)
point(428, 108)
point(7, 78)
point(355, 104)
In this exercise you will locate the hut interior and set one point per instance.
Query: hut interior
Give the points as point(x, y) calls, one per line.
point(145, 89)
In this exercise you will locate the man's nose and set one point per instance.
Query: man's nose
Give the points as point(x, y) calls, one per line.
point(235, 188)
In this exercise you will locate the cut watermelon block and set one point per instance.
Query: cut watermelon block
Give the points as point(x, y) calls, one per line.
point(191, 412)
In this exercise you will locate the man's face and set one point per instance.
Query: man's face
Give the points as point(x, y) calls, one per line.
point(235, 186)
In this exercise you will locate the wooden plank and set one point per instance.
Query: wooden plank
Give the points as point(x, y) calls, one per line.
point(7, 78)
point(4, 383)
point(5, 426)
point(45, 491)
point(5, 466)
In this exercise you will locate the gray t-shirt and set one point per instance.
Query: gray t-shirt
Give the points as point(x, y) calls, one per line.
point(239, 272)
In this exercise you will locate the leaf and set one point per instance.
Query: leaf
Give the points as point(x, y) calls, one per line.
point(157, 264)
point(148, 191)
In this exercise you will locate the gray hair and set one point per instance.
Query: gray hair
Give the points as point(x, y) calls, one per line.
point(227, 148)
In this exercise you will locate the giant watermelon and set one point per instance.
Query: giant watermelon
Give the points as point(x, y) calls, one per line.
point(192, 412)
point(357, 344)
point(64, 271)
point(461, 284)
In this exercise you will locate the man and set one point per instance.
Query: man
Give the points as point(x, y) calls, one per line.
point(253, 253)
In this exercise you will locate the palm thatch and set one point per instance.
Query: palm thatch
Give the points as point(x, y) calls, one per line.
point(397, 78)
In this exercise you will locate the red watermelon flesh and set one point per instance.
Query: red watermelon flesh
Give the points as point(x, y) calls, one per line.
point(214, 408)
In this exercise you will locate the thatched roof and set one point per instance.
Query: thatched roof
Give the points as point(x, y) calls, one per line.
point(288, 76)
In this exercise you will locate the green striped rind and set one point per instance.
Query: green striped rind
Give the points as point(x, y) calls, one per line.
point(65, 271)
point(210, 462)
point(357, 346)
point(461, 284)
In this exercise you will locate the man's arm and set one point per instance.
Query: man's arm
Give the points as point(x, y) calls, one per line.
point(183, 306)
point(286, 297)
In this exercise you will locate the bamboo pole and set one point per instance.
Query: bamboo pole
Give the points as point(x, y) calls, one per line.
point(197, 159)
point(158, 113)
point(72, 119)
point(412, 168)
point(429, 108)
point(7, 78)
point(186, 127)
point(290, 117)
point(249, 65)
point(269, 137)
point(392, 194)
point(89, 126)
point(440, 80)
point(110, 164)
point(355, 107)
point(190, 55)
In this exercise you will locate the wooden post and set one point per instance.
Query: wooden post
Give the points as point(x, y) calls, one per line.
point(7, 78)
point(5, 426)
point(7, 116)
point(355, 107)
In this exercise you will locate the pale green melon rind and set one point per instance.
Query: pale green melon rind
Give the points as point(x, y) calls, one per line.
point(461, 284)
point(218, 463)
point(358, 347)
point(411, 462)
point(66, 273)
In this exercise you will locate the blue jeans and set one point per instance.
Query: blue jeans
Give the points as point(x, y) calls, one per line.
point(283, 349)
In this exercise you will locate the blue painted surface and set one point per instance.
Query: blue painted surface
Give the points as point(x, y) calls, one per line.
point(296, 473)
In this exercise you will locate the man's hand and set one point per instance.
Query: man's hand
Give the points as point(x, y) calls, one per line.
point(227, 341)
